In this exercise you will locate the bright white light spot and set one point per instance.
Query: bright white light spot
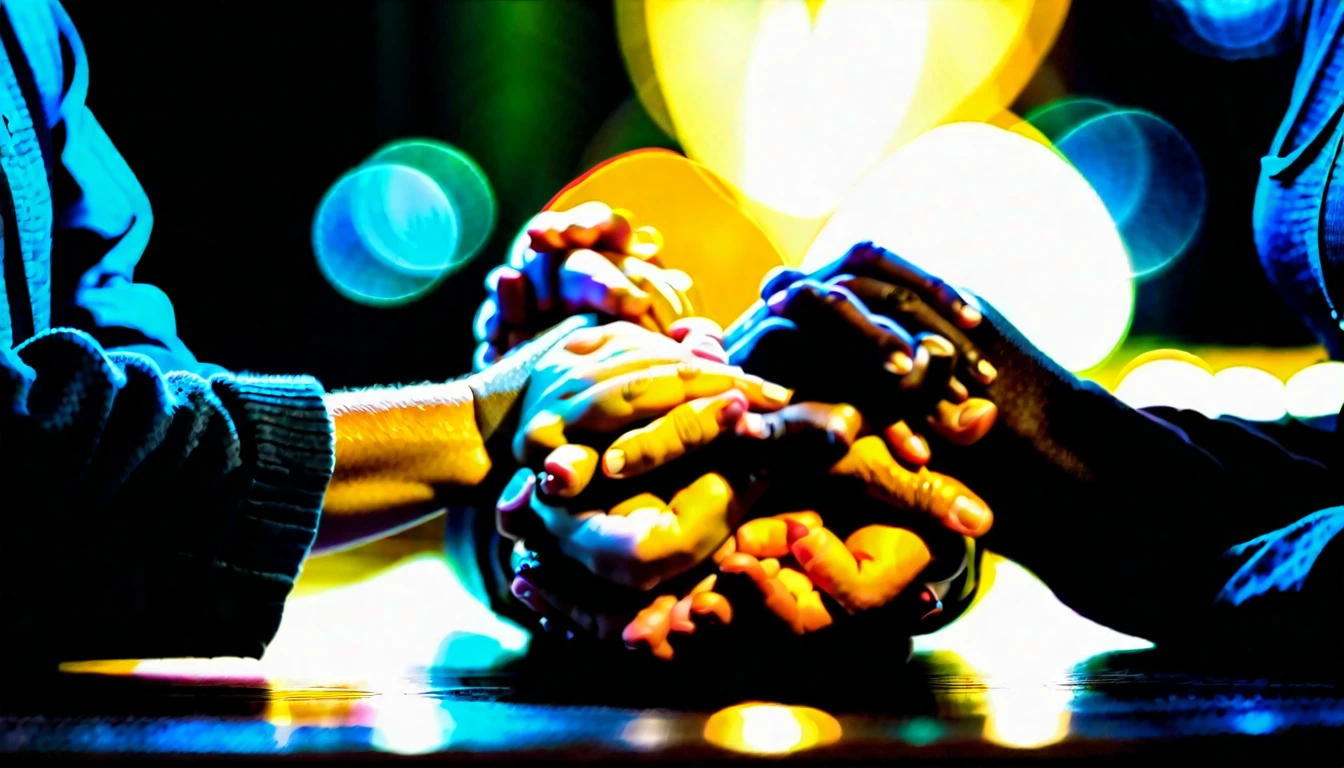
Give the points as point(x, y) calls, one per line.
point(1025, 643)
point(1174, 383)
point(411, 725)
point(1028, 717)
point(1000, 214)
point(647, 732)
point(1249, 393)
point(1316, 391)
point(412, 616)
point(859, 59)
point(1020, 633)
point(770, 729)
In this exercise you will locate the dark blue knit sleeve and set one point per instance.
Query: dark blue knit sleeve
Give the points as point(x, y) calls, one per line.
point(151, 515)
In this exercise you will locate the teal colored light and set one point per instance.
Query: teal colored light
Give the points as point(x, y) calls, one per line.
point(384, 235)
point(1150, 179)
point(1058, 118)
point(1232, 29)
point(461, 181)
point(392, 230)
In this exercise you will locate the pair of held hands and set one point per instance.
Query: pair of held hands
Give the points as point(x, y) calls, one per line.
point(696, 542)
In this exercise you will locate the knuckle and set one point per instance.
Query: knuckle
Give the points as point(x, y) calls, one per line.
point(686, 426)
point(647, 451)
point(636, 386)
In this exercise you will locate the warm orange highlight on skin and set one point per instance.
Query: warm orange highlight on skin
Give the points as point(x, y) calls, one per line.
point(393, 448)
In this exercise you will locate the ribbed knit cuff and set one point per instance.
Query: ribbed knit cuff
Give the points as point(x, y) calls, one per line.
point(287, 440)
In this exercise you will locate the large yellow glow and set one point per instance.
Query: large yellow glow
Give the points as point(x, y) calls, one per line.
point(704, 228)
point(793, 101)
point(1006, 217)
point(771, 729)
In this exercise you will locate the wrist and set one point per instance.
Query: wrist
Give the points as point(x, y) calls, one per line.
point(397, 447)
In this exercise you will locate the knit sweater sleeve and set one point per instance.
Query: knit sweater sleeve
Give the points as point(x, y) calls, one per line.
point(149, 515)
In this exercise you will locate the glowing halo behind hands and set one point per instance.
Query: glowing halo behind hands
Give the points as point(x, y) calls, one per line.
point(1007, 218)
point(793, 101)
point(705, 231)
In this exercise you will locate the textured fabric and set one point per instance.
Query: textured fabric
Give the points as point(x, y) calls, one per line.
point(150, 514)
point(72, 193)
point(1129, 515)
point(1300, 192)
point(151, 505)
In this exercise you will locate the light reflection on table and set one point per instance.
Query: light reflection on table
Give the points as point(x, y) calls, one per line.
point(347, 673)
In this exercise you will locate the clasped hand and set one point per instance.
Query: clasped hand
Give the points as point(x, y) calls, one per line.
point(605, 379)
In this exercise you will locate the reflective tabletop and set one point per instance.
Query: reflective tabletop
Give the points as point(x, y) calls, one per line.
point(389, 658)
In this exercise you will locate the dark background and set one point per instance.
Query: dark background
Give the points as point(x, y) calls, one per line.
point(237, 116)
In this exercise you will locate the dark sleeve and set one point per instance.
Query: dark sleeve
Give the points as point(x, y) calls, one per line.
point(1127, 514)
point(151, 515)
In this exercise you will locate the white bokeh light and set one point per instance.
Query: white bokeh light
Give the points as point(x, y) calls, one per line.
point(1316, 391)
point(1249, 393)
point(1174, 383)
point(1009, 219)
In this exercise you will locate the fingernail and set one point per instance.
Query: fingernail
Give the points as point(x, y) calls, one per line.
point(517, 492)
point(710, 350)
point(776, 302)
point(522, 590)
point(794, 531)
point(639, 386)
point(986, 370)
point(972, 411)
point(970, 314)
point(937, 345)
point(900, 363)
point(915, 446)
point(969, 514)
point(774, 393)
point(731, 413)
point(613, 462)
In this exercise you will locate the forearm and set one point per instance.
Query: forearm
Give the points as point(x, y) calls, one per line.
point(401, 456)
point(1124, 513)
point(405, 454)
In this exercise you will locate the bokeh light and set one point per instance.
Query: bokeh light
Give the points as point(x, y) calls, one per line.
point(1060, 117)
point(1007, 218)
point(383, 234)
point(461, 181)
point(705, 231)
point(1169, 378)
point(390, 231)
point(1249, 393)
point(771, 729)
point(793, 101)
point(1150, 179)
point(1316, 391)
point(1232, 29)
point(1025, 644)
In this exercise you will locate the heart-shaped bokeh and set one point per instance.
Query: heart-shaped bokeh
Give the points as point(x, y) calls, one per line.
point(990, 209)
point(793, 101)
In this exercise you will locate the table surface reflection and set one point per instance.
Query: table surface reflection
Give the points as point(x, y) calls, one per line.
point(1121, 705)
